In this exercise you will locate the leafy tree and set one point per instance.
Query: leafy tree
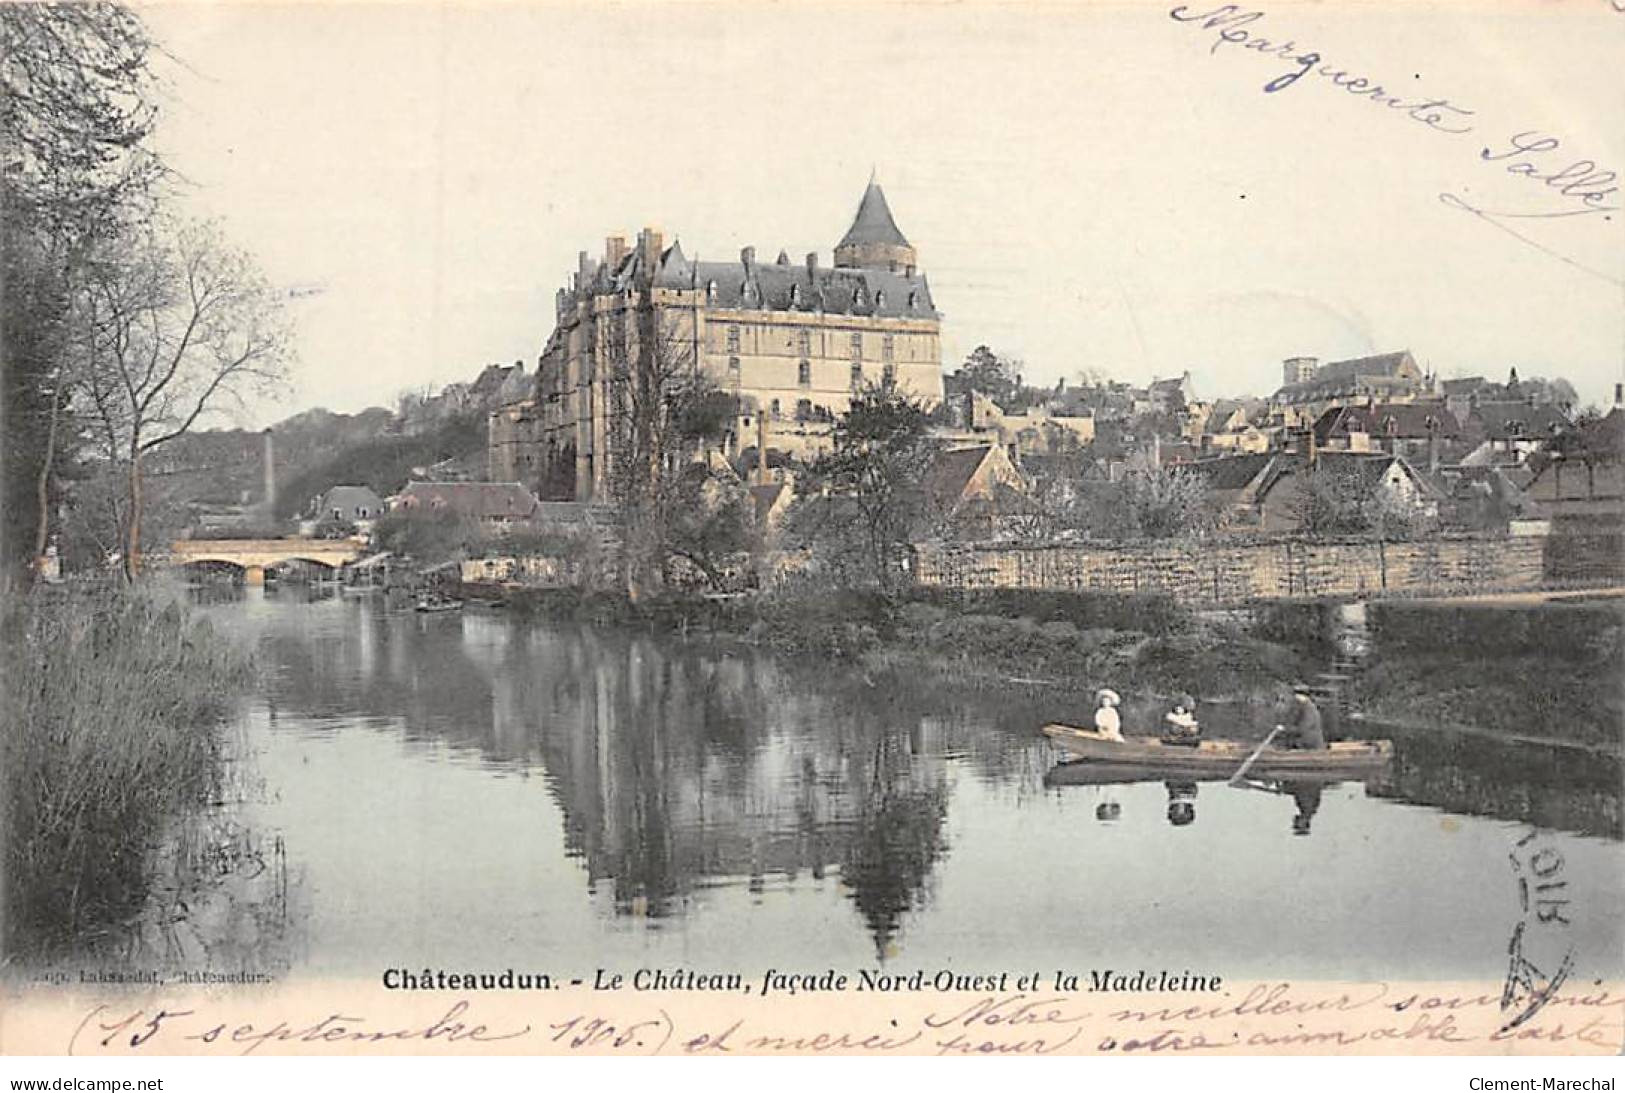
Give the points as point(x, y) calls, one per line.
point(329, 528)
point(985, 372)
point(862, 502)
point(708, 522)
point(76, 108)
point(430, 536)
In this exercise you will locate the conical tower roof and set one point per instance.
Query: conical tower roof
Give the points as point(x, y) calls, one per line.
point(874, 223)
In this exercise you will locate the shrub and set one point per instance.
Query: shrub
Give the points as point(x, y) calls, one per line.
point(111, 730)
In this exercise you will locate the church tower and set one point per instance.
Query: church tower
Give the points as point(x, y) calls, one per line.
point(874, 241)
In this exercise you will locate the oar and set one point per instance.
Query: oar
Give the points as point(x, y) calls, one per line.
point(1245, 767)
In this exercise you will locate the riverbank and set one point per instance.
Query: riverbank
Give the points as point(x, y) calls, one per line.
point(1542, 672)
point(1071, 641)
point(112, 732)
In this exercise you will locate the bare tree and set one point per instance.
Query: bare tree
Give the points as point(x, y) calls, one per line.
point(171, 327)
point(664, 411)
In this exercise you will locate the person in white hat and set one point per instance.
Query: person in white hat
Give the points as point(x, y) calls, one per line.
point(1107, 723)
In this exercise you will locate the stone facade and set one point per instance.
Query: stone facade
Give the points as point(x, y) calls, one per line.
point(791, 341)
point(1239, 573)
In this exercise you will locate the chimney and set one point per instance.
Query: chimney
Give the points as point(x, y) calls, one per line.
point(812, 263)
point(761, 448)
point(614, 251)
point(1619, 394)
point(270, 477)
point(747, 257)
point(650, 244)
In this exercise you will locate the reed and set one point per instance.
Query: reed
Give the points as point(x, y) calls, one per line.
point(113, 708)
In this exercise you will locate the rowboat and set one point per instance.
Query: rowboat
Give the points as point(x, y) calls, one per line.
point(1352, 757)
point(1086, 772)
point(431, 606)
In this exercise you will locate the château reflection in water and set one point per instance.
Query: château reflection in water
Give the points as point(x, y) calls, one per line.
point(676, 768)
point(685, 770)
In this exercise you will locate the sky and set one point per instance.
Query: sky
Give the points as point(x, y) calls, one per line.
point(1103, 187)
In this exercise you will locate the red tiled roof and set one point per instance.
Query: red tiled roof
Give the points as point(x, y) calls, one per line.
point(487, 500)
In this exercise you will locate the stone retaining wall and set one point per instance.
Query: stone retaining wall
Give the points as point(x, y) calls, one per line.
point(1233, 573)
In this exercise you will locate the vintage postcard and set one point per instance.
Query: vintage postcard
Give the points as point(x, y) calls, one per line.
point(874, 528)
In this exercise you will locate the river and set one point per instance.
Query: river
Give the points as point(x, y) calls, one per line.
point(470, 792)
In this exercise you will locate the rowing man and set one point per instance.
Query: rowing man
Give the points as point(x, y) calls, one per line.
point(1305, 732)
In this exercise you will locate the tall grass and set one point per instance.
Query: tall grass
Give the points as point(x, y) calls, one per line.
point(113, 704)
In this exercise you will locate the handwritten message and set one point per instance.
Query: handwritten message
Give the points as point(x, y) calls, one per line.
point(1246, 1019)
point(1562, 183)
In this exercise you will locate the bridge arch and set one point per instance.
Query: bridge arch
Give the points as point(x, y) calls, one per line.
point(254, 556)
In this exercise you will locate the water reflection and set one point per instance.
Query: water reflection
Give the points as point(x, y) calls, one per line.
point(1181, 803)
point(694, 781)
point(675, 771)
point(1479, 775)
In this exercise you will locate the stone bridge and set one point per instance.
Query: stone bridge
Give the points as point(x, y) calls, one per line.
point(254, 556)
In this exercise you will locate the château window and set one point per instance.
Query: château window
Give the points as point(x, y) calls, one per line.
point(733, 368)
point(888, 375)
point(804, 409)
point(733, 339)
point(804, 342)
point(888, 348)
point(857, 375)
point(804, 373)
point(857, 347)
point(775, 409)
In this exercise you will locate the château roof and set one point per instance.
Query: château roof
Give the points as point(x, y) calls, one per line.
point(781, 286)
point(874, 223)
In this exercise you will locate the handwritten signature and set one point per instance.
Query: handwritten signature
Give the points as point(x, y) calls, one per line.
point(1575, 185)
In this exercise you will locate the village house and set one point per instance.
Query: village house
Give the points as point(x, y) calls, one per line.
point(1267, 491)
point(1110, 401)
point(1171, 396)
point(1037, 430)
point(1387, 377)
point(1586, 472)
point(1483, 498)
point(1581, 490)
point(1230, 427)
point(357, 505)
point(1509, 432)
point(967, 487)
point(1419, 431)
point(492, 504)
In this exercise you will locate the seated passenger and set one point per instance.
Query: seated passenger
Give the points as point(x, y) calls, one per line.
point(1107, 722)
point(1181, 726)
